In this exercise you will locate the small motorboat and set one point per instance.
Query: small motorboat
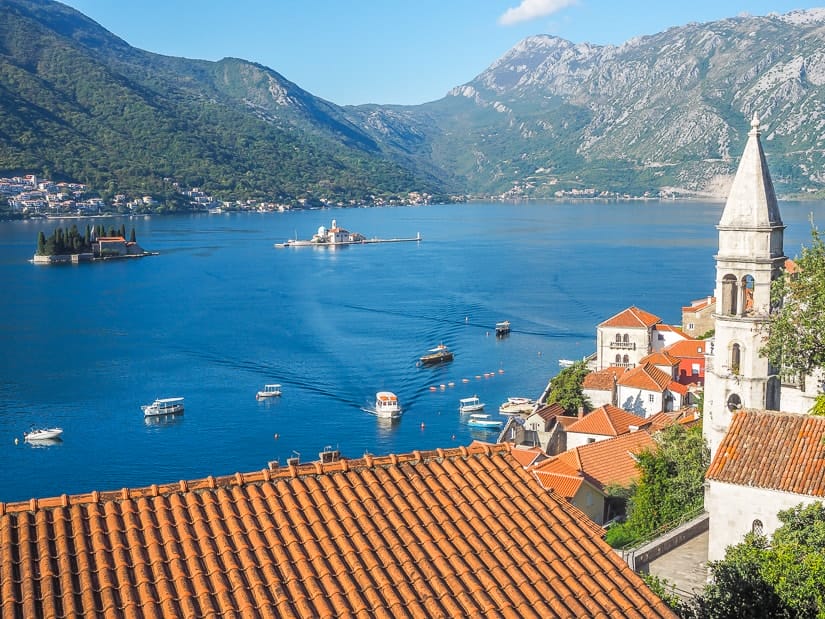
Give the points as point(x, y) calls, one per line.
point(468, 405)
point(483, 421)
point(386, 406)
point(42, 434)
point(439, 354)
point(269, 391)
point(516, 406)
point(163, 406)
point(502, 328)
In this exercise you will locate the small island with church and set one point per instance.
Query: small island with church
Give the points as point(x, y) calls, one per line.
point(70, 246)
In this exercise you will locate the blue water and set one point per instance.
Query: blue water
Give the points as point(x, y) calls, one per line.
point(220, 312)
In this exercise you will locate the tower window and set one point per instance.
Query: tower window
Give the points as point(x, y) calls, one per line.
point(734, 402)
point(735, 358)
point(730, 292)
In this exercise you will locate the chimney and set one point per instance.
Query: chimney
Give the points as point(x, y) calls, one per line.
point(581, 412)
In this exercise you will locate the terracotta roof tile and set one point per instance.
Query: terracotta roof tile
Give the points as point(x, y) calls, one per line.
point(604, 379)
point(779, 451)
point(607, 420)
point(604, 462)
point(687, 349)
point(440, 533)
point(660, 358)
point(647, 377)
point(699, 304)
point(632, 317)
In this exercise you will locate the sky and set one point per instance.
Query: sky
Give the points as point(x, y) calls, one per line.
point(353, 52)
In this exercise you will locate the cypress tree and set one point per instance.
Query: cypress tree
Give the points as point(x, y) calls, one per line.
point(41, 244)
point(132, 235)
point(123, 230)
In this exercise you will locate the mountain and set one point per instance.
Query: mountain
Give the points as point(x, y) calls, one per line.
point(78, 103)
point(667, 112)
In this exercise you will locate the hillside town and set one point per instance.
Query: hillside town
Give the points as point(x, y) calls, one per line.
point(514, 527)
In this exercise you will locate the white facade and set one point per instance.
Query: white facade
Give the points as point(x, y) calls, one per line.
point(736, 510)
point(621, 346)
point(750, 257)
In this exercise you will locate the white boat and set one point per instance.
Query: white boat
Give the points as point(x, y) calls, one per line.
point(386, 406)
point(468, 405)
point(42, 434)
point(163, 406)
point(502, 328)
point(483, 421)
point(439, 354)
point(269, 391)
point(566, 363)
point(516, 406)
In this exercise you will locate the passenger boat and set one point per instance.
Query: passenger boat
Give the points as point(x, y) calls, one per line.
point(439, 354)
point(502, 328)
point(516, 406)
point(483, 421)
point(163, 406)
point(566, 363)
point(386, 405)
point(269, 391)
point(468, 405)
point(41, 434)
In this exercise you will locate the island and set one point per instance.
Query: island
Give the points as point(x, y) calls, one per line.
point(71, 247)
point(336, 236)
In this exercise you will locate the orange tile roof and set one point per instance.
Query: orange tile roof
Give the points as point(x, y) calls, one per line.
point(660, 358)
point(606, 462)
point(549, 411)
point(603, 380)
point(647, 377)
point(607, 420)
point(699, 304)
point(444, 533)
point(780, 451)
point(561, 478)
point(526, 456)
point(686, 349)
point(632, 317)
point(671, 328)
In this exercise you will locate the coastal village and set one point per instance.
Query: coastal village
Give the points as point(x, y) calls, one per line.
point(512, 528)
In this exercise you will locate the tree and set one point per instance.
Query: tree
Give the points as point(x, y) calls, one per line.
point(566, 388)
point(132, 235)
point(783, 578)
point(41, 244)
point(795, 343)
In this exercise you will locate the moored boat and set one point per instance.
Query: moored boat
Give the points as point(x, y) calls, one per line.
point(163, 406)
point(483, 421)
point(42, 434)
point(439, 354)
point(516, 406)
point(269, 391)
point(468, 405)
point(502, 328)
point(386, 405)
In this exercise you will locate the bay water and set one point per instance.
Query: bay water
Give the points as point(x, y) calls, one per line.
point(219, 312)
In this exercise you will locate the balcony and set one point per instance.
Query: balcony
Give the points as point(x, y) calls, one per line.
point(623, 345)
point(622, 365)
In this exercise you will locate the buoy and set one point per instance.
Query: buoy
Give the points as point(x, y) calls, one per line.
point(501, 371)
point(433, 388)
point(453, 436)
point(16, 441)
point(465, 380)
point(422, 425)
point(451, 384)
point(275, 436)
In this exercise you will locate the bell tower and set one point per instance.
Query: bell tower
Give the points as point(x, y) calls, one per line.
point(750, 257)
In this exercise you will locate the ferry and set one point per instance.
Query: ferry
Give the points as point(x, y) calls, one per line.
point(386, 406)
point(163, 406)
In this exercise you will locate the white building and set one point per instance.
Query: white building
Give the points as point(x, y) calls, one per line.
point(622, 340)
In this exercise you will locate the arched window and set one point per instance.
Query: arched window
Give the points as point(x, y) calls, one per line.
point(730, 293)
point(626, 359)
point(618, 338)
point(626, 338)
point(734, 402)
point(735, 359)
point(747, 294)
point(618, 358)
point(757, 527)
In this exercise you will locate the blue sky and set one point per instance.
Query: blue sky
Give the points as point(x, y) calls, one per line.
point(390, 51)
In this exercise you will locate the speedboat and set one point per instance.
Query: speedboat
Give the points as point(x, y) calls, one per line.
point(269, 391)
point(163, 406)
point(439, 354)
point(42, 434)
point(502, 328)
point(386, 405)
point(468, 405)
point(483, 421)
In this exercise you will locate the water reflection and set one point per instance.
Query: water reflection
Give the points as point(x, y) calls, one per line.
point(44, 442)
point(163, 420)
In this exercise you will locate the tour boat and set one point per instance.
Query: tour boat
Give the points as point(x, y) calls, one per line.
point(468, 405)
point(386, 405)
point(269, 391)
point(40, 434)
point(163, 406)
point(483, 421)
point(502, 328)
point(439, 354)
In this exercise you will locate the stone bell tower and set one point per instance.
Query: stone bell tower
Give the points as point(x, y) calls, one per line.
point(750, 257)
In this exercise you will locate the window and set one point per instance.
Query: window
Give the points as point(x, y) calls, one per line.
point(618, 358)
point(626, 359)
point(591, 440)
point(651, 398)
point(730, 292)
point(735, 358)
point(691, 326)
point(661, 337)
point(626, 338)
point(618, 338)
point(757, 527)
point(694, 369)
